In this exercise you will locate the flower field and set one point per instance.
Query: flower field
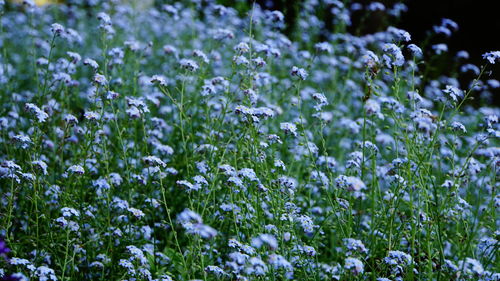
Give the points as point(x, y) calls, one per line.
point(195, 141)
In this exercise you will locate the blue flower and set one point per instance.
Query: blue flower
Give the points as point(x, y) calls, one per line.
point(492, 57)
point(393, 56)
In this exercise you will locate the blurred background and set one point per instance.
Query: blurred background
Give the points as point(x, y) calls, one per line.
point(478, 26)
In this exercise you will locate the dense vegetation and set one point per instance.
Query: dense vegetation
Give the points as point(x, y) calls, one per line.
point(185, 141)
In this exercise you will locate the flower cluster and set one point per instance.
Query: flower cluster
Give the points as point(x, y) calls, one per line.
point(187, 140)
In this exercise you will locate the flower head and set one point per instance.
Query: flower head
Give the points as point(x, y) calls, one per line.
point(492, 57)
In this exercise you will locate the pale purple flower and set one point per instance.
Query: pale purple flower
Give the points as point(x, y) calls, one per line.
point(354, 266)
point(57, 29)
point(299, 72)
point(492, 57)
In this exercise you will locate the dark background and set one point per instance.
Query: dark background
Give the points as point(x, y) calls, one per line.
point(478, 20)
